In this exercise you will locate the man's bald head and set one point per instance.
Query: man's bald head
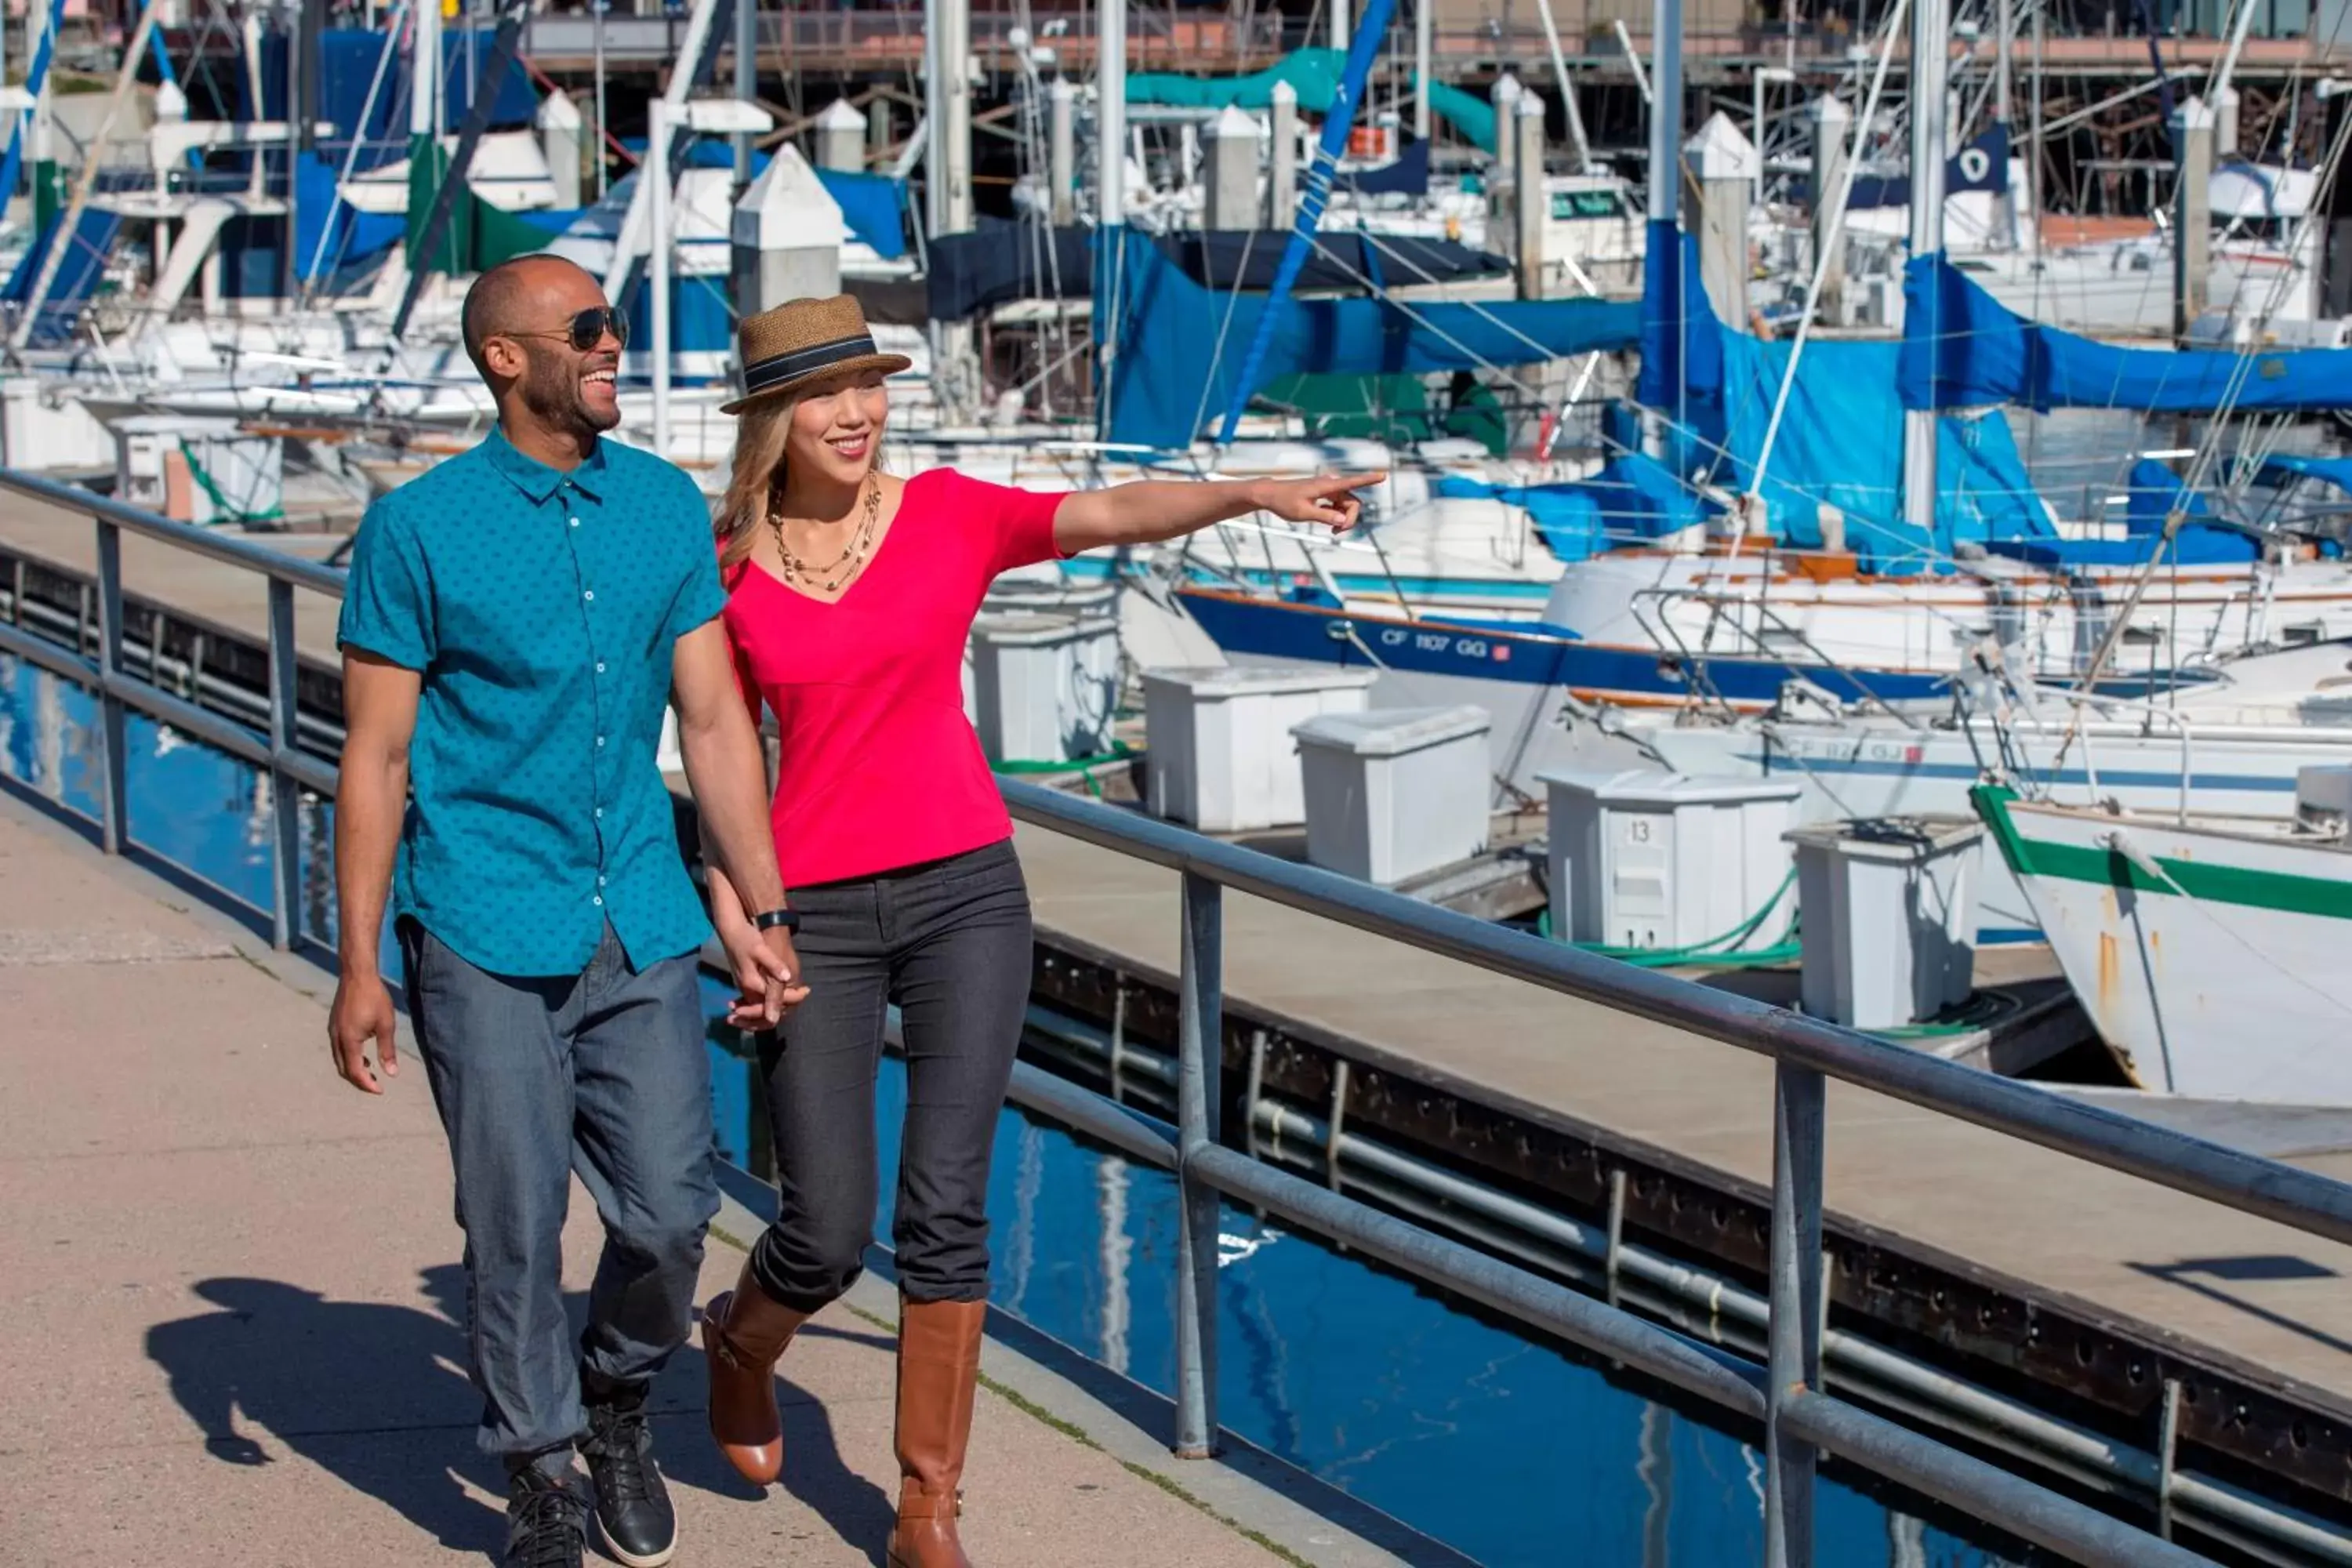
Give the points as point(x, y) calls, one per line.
point(523, 295)
point(519, 329)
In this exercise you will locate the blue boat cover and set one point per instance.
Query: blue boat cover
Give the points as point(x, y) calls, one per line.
point(76, 279)
point(1408, 175)
point(1963, 349)
point(1180, 346)
point(2280, 467)
point(1631, 500)
point(1840, 441)
point(873, 206)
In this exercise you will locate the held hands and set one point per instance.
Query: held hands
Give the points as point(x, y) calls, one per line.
point(362, 1013)
point(767, 976)
point(1329, 500)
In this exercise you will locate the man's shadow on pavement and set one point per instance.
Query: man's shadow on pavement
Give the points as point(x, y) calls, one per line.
point(378, 1396)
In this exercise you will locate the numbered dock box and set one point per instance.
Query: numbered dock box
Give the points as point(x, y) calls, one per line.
point(1647, 859)
point(1890, 912)
point(1218, 749)
point(1044, 686)
point(1395, 791)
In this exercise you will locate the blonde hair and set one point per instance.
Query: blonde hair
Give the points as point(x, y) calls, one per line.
point(761, 432)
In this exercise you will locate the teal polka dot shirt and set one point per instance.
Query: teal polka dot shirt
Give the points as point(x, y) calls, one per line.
point(540, 608)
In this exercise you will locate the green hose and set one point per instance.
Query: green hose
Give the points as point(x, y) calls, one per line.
point(1119, 752)
point(1714, 951)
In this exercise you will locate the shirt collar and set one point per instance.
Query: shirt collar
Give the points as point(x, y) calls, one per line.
point(535, 478)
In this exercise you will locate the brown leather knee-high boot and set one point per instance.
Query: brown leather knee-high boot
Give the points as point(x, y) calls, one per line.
point(743, 1332)
point(938, 1365)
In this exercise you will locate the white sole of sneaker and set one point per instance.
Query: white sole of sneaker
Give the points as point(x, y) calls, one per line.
point(656, 1560)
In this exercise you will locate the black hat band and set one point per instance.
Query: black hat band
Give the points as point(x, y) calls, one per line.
point(770, 372)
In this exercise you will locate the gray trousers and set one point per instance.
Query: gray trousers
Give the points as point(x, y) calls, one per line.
point(949, 943)
point(601, 1073)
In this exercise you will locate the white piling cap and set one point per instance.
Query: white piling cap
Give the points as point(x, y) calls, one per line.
point(788, 208)
point(557, 112)
point(840, 115)
point(1233, 123)
point(1720, 150)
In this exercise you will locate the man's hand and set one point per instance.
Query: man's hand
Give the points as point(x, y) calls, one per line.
point(363, 1012)
point(767, 976)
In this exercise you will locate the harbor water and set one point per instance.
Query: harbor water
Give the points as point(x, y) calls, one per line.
point(1509, 1451)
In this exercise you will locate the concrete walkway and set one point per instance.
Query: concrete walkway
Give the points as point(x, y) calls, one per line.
point(230, 1302)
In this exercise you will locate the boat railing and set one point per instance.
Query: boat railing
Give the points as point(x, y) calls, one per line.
point(1785, 1393)
point(1723, 610)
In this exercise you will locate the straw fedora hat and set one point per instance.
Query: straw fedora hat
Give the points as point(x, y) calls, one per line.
point(785, 349)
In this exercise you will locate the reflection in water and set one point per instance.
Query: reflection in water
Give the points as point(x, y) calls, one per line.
point(1500, 1446)
point(1117, 1248)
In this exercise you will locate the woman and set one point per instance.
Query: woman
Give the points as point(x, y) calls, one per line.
point(850, 596)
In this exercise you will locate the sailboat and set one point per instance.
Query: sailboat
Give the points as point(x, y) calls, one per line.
point(2207, 950)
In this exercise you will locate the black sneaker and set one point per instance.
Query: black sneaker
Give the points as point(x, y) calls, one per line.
point(547, 1520)
point(633, 1510)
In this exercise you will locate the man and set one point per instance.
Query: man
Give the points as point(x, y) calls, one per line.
point(515, 619)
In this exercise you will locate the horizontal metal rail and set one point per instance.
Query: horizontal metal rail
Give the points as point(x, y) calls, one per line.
point(1800, 1420)
point(2227, 1176)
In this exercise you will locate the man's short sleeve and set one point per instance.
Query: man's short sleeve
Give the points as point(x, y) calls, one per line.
point(388, 603)
point(700, 596)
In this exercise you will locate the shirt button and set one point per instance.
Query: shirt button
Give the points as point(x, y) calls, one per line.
point(600, 811)
point(600, 667)
point(600, 881)
point(590, 593)
point(575, 523)
point(600, 740)
point(598, 900)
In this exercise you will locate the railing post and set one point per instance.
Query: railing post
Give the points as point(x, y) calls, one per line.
point(1198, 1042)
point(115, 827)
point(285, 795)
point(1796, 1303)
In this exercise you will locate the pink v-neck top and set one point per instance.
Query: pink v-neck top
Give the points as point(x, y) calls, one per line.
point(880, 769)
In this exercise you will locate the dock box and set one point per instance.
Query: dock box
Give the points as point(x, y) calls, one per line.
point(198, 470)
point(1395, 791)
point(1653, 860)
point(1044, 686)
point(1218, 751)
point(1890, 912)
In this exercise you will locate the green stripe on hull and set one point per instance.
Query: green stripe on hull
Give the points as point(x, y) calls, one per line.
point(2280, 891)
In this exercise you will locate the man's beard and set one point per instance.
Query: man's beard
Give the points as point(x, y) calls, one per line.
point(550, 390)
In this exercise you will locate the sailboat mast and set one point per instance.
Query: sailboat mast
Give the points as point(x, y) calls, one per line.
point(1666, 165)
point(2004, 39)
point(1110, 191)
point(1930, 59)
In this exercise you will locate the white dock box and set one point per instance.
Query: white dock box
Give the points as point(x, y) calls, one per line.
point(1890, 911)
point(1395, 791)
point(1648, 858)
point(197, 471)
point(1218, 751)
point(1044, 687)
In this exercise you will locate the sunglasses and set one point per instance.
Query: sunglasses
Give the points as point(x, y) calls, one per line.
point(587, 330)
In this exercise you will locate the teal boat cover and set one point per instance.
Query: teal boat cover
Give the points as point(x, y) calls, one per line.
point(1313, 74)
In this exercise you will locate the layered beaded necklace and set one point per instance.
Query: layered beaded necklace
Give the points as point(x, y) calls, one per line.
point(830, 577)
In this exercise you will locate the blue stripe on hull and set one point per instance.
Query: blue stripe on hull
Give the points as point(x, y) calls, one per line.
point(1312, 635)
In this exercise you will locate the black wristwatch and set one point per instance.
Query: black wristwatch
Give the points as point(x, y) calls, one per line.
point(787, 918)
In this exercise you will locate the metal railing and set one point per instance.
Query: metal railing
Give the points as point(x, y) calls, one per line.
point(1784, 1393)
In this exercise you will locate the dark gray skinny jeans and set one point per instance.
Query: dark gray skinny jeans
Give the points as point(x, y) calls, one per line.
point(603, 1073)
point(949, 943)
